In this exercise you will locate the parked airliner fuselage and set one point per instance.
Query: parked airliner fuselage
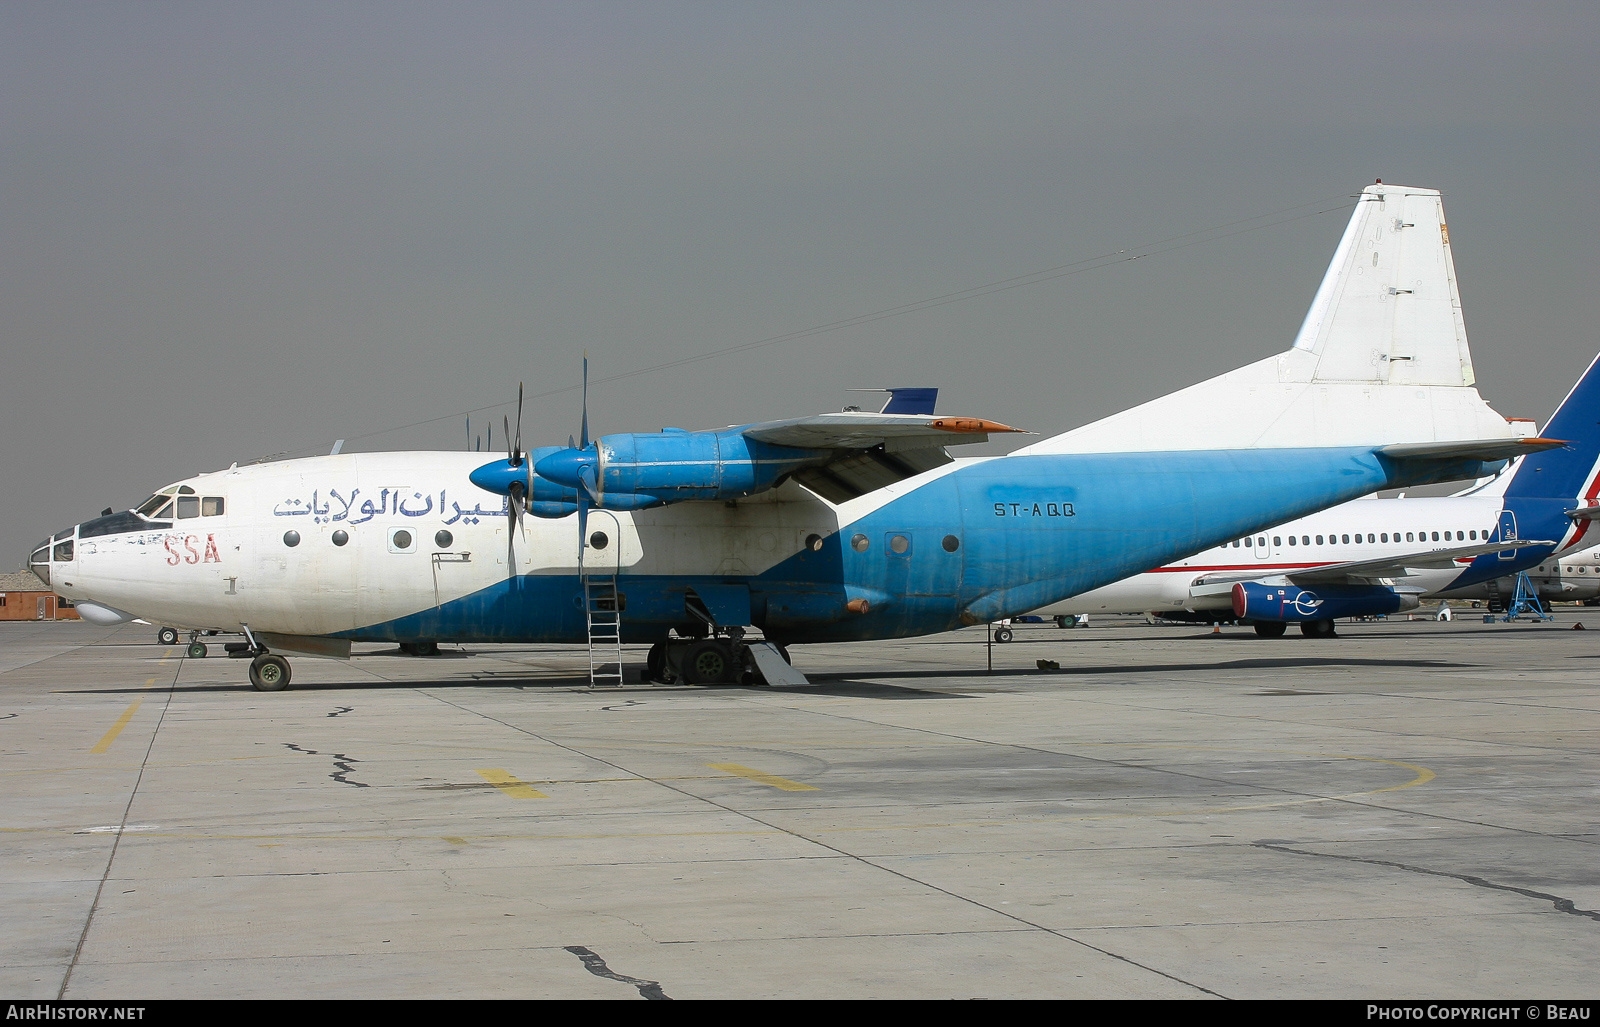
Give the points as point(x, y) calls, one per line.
point(401, 546)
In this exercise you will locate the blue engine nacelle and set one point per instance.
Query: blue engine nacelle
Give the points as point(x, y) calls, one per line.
point(1257, 602)
point(634, 469)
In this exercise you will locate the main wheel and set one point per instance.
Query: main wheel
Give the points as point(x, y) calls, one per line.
point(167, 636)
point(1317, 629)
point(1062, 621)
point(1002, 634)
point(196, 651)
point(1270, 628)
point(269, 673)
point(709, 663)
point(655, 663)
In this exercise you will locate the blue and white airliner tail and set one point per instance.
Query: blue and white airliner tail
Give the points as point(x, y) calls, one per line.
point(851, 525)
point(1378, 556)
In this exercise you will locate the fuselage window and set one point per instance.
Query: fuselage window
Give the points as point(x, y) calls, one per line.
point(1291, 540)
point(1246, 543)
point(1277, 540)
point(1436, 536)
point(859, 543)
point(1410, 537)
point(1305, 539)
point(211, 506)
point(340, 537)
point(1319, 540)
point(443, 539)
point(1261, 541)
point(1236, 543)
point(1473, 533)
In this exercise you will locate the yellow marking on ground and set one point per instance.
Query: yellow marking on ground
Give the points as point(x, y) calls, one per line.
point(453, 840)
point(116, 729)
point(758, 777)
point(510, 785)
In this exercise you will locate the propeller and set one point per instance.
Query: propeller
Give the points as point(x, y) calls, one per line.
point(517, 491)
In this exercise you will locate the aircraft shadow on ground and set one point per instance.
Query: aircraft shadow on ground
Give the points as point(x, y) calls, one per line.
point(876, 685)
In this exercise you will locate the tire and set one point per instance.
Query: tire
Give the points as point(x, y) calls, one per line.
point(196, 651)
point(655, 664)
point(709, 663)
point(269, 673)
point(1062, 621)
point(167, 636)
point(1317, 629)
point(1270, 628)
point(1002, 634)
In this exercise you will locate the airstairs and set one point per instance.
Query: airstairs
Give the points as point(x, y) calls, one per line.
point(602, 606)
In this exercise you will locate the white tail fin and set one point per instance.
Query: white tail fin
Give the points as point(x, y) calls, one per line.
point(1382, 357)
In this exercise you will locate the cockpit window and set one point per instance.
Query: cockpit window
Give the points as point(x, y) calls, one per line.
point(188, 506)
point(166, 508)
point(211, 506)
point(185, 490)
point(63, 551)
point(151, 505)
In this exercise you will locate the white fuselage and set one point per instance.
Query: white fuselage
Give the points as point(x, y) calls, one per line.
point(1340, 535)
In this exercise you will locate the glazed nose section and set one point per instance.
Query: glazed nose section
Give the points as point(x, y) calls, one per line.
point(58, 549)
point(498, 477)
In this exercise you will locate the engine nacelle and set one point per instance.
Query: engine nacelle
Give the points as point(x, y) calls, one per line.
point(1257, 602)
point(673, 465)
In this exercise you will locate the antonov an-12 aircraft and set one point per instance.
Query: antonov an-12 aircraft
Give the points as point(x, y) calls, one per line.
point(1379, 556)
point(853, 525)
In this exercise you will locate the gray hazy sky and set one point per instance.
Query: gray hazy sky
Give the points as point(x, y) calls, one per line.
point(231, 230)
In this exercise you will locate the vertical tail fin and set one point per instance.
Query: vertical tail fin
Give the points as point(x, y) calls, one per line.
point(1381, 358)
point(1389, 309)
point(1565, 478)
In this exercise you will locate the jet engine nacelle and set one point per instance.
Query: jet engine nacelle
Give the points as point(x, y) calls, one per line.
point(1257, 602)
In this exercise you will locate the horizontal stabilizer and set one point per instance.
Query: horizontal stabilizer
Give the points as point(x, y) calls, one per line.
point(1487, 450)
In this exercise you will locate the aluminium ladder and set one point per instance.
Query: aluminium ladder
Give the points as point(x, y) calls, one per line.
point(602, 612)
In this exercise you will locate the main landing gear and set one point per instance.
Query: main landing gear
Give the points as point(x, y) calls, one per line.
point(704, 661)
point(1308, 628)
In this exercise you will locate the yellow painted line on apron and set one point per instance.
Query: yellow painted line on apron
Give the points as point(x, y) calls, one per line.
point(510, 785)
point(116, 729)
point(759, 778)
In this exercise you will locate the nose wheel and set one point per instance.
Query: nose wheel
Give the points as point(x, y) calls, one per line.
point(269, 673)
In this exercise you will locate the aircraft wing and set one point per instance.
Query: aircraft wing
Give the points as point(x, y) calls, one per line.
point(855, 429)
point(873, 450)
point(1366, 571)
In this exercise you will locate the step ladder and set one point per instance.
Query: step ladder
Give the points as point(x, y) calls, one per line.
point(601, 611)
